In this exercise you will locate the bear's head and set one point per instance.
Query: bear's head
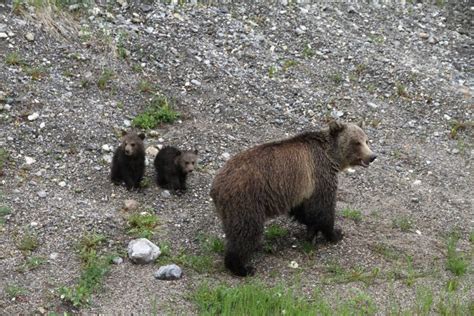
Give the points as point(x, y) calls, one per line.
point(132, 143)
point(187, 160)
point(351, 145)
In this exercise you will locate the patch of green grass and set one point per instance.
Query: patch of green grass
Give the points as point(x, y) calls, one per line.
point(28, 242)
point(457, 126)
point(455, 262)
point(354, 215)
point(272, 70)
point(212, 244)
point(336, 78)
point(387, 251)
point(307, 51)
point(142, 225)
point(4, 211)
point(14, 291)
point(307, 247)
point(452, 285)
point(36, 73)
point(377, 38)
point(32, 263)
point(104, 78)
point(402, 223)
point(275, 231)
point(158, 111)
point(94, 268)
point(450, 305)
point(424, 301)
point(401, 90)
point(255, 298)
point(410, 272)
point(137, 68)
point(13, 59)
point(199, 263)
point(288, 64)
point(145, 183)
point(145, 86)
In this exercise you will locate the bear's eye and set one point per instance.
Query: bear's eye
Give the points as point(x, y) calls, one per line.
point(133, 145)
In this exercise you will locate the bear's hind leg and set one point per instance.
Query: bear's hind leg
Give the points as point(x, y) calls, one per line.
point(242, 239)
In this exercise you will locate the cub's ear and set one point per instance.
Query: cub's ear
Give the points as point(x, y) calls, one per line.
point(142, 136)
point(195, 151)
point(124, 132)
point(336, 127)
point(361, 124)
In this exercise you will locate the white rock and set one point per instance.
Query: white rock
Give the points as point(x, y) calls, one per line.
point(54, 256)
point(151, 151)
point(127, 123)
point(417, 182)
point(142, 251)
point(117, 260)
point(225, 156)
point(42, 125)
point(3, 35)
point(107, 158)
point(29, 160)
point(42, 194)
point(293, 264)
point(106, 148)
point(130, 205)
point(418, 232)
point(30, 36)
point(34, 224)
point(62, 184)
point(169, 272)
point(196, 82)
point(166, 194)
point(33, 116)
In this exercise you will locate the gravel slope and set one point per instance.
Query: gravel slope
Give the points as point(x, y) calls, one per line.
point(240, 75)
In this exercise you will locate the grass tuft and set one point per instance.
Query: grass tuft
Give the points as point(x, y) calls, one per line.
point(354, 215)
point(104, 78)
point(14, 291)
point(158, 111)
point(28, 242)
point(142, 225)
point(13, 59)
point(456, 262)
point(275, 231)
point(32, 263)
point(402, 223)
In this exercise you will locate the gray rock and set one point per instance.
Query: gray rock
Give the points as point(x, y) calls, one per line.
point(42, 194)
point(169, 272)
point(117, 260)
point(3, 35)
point(130, 205)
point(166, 194)
point(142, 251)
point(30, 36)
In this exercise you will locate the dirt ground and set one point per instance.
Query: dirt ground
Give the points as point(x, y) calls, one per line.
point(240, 74)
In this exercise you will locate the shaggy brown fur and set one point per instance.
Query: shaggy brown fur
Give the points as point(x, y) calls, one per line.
point(128, 163)
point(173, 166)
point(296, 176)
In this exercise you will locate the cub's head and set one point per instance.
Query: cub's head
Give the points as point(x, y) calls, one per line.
point(132, 143)
point(352, 145)
point(187, 160)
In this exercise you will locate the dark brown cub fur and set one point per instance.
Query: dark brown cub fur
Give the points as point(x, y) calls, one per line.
point(173, 166)
point(295, 176)
point(128, 163)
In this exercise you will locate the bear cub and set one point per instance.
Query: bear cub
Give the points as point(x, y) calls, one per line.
point(295, 176)
point(173, 166)
point(128, 163)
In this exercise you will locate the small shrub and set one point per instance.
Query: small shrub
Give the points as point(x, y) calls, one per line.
point(32, 263)
point(104, 78)
point(336, 78)
point(403, 223)
point(354, 215)
point(14, 291)
point(456, 263)
point(28, 242)
point(142, 224)
point(13, 59)
point(158, 111)
point(275, 231)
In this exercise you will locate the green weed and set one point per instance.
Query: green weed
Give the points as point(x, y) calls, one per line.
point(14, 291)
point(142, 225)
point(28, 242)
point(354, 215)
point(4, 211)
point(36, 73)
point(288, 64)
point(158, 111)
point(199, 263)
point(307, 51)
point(13, 59)
point(336, 78)
point(272, 70)
point(212, 244)
point(401, 90)
point(104, 78)
point(457, 126)
point(32, 263)
point(402, 223)
point(456, 262)
point(275, 231)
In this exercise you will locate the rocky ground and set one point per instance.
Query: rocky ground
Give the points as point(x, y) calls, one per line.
point(240, 75)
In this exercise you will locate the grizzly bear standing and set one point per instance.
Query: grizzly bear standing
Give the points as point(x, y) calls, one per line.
point(295, 176)
point(173, 166)
point(128, 163)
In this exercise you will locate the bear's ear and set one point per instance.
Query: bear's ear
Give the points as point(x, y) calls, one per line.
point(361, 124)
point(124, 132)
point(336, 127)
point(195, 151)
point(142, 136)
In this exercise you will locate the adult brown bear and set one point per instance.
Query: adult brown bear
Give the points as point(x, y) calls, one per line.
point(295, 176)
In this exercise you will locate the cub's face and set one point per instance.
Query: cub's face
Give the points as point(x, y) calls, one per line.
point(132, 143)
point(187, 161)
point(354, 146)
